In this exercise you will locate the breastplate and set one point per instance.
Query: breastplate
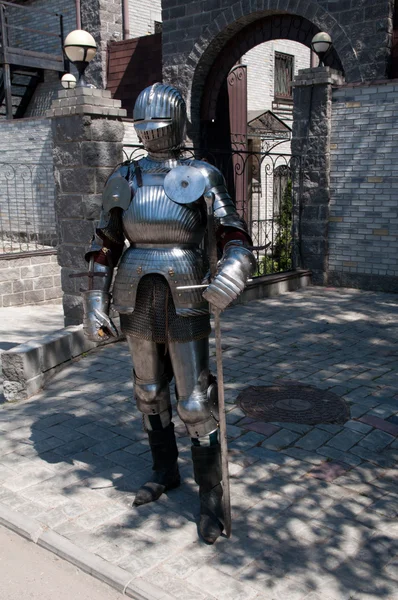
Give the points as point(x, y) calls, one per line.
point(152, 218)
point(164, 238)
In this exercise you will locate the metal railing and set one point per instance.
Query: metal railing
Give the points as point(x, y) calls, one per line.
point(47, 38)
point(27, 213)
point(28, 47)
point(263, 186)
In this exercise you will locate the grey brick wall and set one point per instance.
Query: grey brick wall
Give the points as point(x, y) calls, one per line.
point(363, 228)
point(142, 16)
point(44, 94)
point(30, 280)
point(102, 18)
point(260, 63)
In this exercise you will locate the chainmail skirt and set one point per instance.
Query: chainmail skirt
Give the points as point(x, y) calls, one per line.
point(155, 318)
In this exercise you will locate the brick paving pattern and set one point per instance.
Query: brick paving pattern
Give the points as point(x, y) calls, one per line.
point(314, 508)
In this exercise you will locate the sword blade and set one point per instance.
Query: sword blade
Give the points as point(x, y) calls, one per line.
point(220, 373)
point(223, 425)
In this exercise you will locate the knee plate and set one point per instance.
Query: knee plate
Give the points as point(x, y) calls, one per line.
point(152, 397)
point(199, 411)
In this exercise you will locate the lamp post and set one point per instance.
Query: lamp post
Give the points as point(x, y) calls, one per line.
point(80, 48)
point(321, 44)
point(68, 81)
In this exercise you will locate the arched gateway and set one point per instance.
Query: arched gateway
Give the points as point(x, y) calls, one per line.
point(200, 64)
point(344, 170)
point(218, 114)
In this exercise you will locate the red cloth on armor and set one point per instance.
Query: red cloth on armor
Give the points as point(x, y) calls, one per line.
point(229, 234)
point(115, 250)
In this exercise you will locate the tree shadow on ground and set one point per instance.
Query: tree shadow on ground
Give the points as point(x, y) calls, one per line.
point(289, 529)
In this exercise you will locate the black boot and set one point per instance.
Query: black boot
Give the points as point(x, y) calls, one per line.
point(166, 475)
point(207, 472)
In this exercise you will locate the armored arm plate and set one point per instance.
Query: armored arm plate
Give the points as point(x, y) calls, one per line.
point(116, 194)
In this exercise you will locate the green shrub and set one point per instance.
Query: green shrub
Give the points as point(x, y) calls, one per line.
point(281, 258)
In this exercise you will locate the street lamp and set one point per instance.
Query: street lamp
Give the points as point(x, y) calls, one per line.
point(321, 44)
point(68, 81)
point(80, 48)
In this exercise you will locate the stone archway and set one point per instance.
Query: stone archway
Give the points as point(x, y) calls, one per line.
point(274, 27)
point(220, 47)
point(246, 24)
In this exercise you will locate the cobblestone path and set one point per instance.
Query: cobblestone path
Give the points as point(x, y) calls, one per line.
point(314, 508)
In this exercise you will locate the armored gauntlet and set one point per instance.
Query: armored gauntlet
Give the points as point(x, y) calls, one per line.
point(234, 269)
point(97, 325)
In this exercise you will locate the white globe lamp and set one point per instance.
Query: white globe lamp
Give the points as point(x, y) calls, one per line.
point(80, 48)
point(68, 81)
point(321, 44)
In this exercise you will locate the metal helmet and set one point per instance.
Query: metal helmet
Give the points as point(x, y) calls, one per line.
point(159, 117)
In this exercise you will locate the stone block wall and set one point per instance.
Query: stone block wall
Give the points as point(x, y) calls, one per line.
point(363, 227)
point(103, 19)
point(312, 92)
point(26, 280)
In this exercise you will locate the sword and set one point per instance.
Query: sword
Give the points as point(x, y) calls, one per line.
point(209, 198)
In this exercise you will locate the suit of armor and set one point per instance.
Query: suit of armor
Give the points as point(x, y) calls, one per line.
point(167, 328)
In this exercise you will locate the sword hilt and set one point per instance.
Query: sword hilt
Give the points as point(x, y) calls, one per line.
point(200, 285)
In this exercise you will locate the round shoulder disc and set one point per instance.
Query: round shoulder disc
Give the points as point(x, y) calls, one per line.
point(184, 185)
point(117, 193)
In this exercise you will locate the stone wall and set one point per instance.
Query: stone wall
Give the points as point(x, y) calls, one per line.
point(103, 19)
point(26, 280)
point(363, 229)
point(312, 92)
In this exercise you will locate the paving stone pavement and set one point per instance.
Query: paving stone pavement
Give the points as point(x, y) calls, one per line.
point(314, 508)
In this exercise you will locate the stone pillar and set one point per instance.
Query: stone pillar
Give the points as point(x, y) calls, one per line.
point(87, 142)
point(312, 94)
point(104, 20)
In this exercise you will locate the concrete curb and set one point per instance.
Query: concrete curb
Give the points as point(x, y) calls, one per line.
point(268, 286)
point(90, 563)
point(28, 367)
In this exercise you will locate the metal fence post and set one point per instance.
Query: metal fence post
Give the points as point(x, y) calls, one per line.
point(6, 66)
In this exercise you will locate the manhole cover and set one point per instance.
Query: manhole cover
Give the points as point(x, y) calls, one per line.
point(293, 404)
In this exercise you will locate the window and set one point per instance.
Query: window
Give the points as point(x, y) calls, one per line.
point(158, 27)
point(283, 75)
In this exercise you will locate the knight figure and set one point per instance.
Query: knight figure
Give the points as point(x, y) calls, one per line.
point(167, 328)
